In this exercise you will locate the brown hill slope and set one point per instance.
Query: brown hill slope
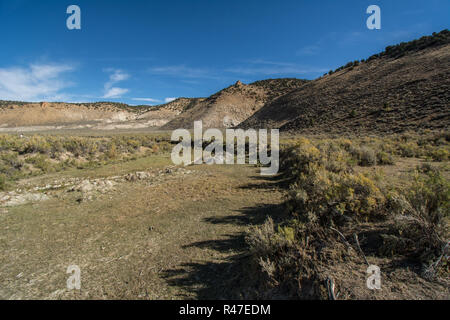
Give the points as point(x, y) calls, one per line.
point(407, 87)
point(99, 115)
point(231, 106)
point(162, 114)
point(14, 114)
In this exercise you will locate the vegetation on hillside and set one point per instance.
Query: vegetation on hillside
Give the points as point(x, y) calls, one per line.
point(400, 50)
point(23, 156)
point(94, 105)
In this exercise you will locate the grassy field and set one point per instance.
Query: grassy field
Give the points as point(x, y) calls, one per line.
point(140, 228)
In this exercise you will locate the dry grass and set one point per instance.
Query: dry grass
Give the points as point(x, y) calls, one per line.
point(169, 239)
point(181, 234)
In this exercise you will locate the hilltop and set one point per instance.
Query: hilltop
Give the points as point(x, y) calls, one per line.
point(230, 106)
point(162, 114)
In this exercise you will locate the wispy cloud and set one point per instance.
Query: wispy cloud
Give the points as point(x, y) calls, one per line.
point(112, 92)
point(167, 100)
point(310, 50)
point(37, 82)
point(147, 100)
point(115, 92)
point(183, 71)
point(151, 100)
point(322, 44)
point(255, 67)
point(270, 68)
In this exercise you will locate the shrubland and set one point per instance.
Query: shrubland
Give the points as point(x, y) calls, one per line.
point(337, 189)
point(23, 156)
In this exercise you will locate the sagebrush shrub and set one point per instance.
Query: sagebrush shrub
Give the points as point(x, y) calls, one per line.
point(264, 240)
point(367, 157)
point(331, 196)
point(37, 144)
point(423, 212)
point(327, 189)
point(41, 162)
point(2, 182)
point(384, 158)
point(440, 154)
point(296, 159)
point(409, 149)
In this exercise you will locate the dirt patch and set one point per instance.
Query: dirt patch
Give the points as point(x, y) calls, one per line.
point(12, 199)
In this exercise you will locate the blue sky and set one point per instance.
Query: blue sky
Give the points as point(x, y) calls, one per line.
point(147, 52)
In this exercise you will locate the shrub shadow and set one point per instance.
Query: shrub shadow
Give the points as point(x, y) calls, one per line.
point(227, 278)
point(270, 182)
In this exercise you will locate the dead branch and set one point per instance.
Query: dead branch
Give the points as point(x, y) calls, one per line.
point(359, 248)
point(342, 236)
point(330, 285)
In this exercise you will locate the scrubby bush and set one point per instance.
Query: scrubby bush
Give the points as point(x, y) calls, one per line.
point(328, 193)
point(296, 159)
point(338, 162)
point(384, 158)
point(335, 197)
point(344, 143)
point(40, 162)
point(409, 149)
point(363, 156)
point(11, 160)
point(440, 154)
point(367, 157)
point(422, 215)
point(37, 144)
point(263, 240)
point(21, 156)
point(427, 168)
point(112, 151)
point(288, 269)
point(2, 182)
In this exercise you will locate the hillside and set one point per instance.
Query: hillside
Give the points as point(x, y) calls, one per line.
point(406, 87)
point(231, 106)
point(162, 114)
point(17, 114)
point(98, 115)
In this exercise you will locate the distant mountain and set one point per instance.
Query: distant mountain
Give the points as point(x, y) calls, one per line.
point(406, 87)
point(230, 106)
point(18, 114)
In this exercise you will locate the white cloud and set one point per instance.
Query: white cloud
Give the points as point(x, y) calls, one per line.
point(147, 100)
point(270, 68)
point(252, 67)
point(167, 100)
point(116, 75)
point(38, 82)
point(114, 92)
point(183, 71)
point(308, 51)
